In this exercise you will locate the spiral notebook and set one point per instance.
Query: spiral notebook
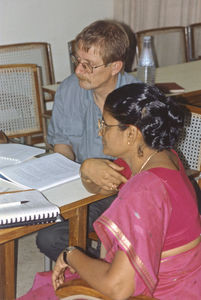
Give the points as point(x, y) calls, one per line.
point(28, 207)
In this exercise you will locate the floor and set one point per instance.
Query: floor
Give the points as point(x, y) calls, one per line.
point(29, 261)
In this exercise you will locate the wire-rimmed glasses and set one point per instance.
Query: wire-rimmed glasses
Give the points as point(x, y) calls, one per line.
point(102, 125)
point(86, 66)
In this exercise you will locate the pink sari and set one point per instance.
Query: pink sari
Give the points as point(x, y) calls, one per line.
point(42, 288)
point(137, 223)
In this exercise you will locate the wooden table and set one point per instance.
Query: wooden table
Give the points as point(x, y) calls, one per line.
point(72, 198)
point(188, 75)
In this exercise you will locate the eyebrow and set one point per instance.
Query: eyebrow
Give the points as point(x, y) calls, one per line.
point(85, 60)
point(88, 61)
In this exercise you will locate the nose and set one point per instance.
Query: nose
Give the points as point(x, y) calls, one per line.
point(79, 69)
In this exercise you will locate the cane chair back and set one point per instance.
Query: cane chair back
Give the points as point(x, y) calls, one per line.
point(170, 44)
point(78, 289)
point(195, 40)
point(31, 53)
point(21, 100)
point(189, 143)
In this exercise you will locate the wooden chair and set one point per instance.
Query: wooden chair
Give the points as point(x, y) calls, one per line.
point(71, 51)
point(195, 40)
point(21, 101)
point(189, 143)
point(38, 53)
point(30, 53)
point(79, 289)
point(169, 43)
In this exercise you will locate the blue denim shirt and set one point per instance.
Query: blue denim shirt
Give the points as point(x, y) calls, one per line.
point(75, 118)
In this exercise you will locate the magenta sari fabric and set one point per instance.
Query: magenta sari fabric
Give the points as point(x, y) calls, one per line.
point(42, 288)
point(137, 223)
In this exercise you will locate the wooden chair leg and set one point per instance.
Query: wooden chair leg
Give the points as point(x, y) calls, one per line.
point(47, 263)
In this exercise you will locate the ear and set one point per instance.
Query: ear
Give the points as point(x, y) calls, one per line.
point(116, 67)
point(132, 133)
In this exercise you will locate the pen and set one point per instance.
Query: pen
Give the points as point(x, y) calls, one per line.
point(9, 204)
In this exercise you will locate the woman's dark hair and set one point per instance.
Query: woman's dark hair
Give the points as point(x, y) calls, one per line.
point(158, 117)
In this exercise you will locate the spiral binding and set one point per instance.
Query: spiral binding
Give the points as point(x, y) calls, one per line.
point(28, 220)
point(10, 159)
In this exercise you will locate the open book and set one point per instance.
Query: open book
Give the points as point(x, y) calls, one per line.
point(26, 208)
point(11, 154)
point(42, 173)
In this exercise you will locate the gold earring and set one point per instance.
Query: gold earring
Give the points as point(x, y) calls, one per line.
point(140, 151)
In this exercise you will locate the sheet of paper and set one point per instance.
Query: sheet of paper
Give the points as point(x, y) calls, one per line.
point(7, 186)
point(42, 173)
point(11, 154)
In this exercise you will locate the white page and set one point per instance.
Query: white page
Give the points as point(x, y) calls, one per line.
point(11, 154)
point(7, 186)
point(43, 173)
point(67, 193)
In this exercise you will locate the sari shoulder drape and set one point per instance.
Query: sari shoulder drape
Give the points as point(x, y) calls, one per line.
point(136, 223)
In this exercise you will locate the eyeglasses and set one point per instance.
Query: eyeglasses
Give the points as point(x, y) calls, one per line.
point(102, 125)
point(86, 66)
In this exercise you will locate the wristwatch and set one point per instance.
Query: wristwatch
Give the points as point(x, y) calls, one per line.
point(66, 252)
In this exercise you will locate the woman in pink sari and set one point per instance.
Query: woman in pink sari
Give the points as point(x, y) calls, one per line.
point(151, 232)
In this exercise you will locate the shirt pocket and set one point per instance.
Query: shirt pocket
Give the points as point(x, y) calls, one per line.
point(74, 127)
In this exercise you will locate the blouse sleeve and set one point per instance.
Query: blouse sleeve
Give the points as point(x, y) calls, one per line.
point(136, 223)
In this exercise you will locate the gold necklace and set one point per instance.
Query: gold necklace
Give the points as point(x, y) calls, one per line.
point(148, 159)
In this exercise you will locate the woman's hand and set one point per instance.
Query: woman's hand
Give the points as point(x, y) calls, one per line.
point(103, 173)
point(58, 276)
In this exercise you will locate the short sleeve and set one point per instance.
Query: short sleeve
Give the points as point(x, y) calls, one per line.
point(67, 115)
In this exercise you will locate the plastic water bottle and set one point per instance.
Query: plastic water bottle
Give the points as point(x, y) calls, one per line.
point(146, 66)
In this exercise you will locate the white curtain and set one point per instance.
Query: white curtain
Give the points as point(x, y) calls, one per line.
point(145, 14)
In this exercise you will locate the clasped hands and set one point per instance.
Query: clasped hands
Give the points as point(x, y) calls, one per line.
point(101, 175)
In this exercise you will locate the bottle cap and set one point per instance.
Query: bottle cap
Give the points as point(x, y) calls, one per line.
point(147, 38)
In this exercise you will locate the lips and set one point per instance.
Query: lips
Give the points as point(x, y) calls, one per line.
point(82, 78)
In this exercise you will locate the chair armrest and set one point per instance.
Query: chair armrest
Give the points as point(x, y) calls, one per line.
point(193, 173)
point(47, 114)
point(3, 138)
point(80, 287)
